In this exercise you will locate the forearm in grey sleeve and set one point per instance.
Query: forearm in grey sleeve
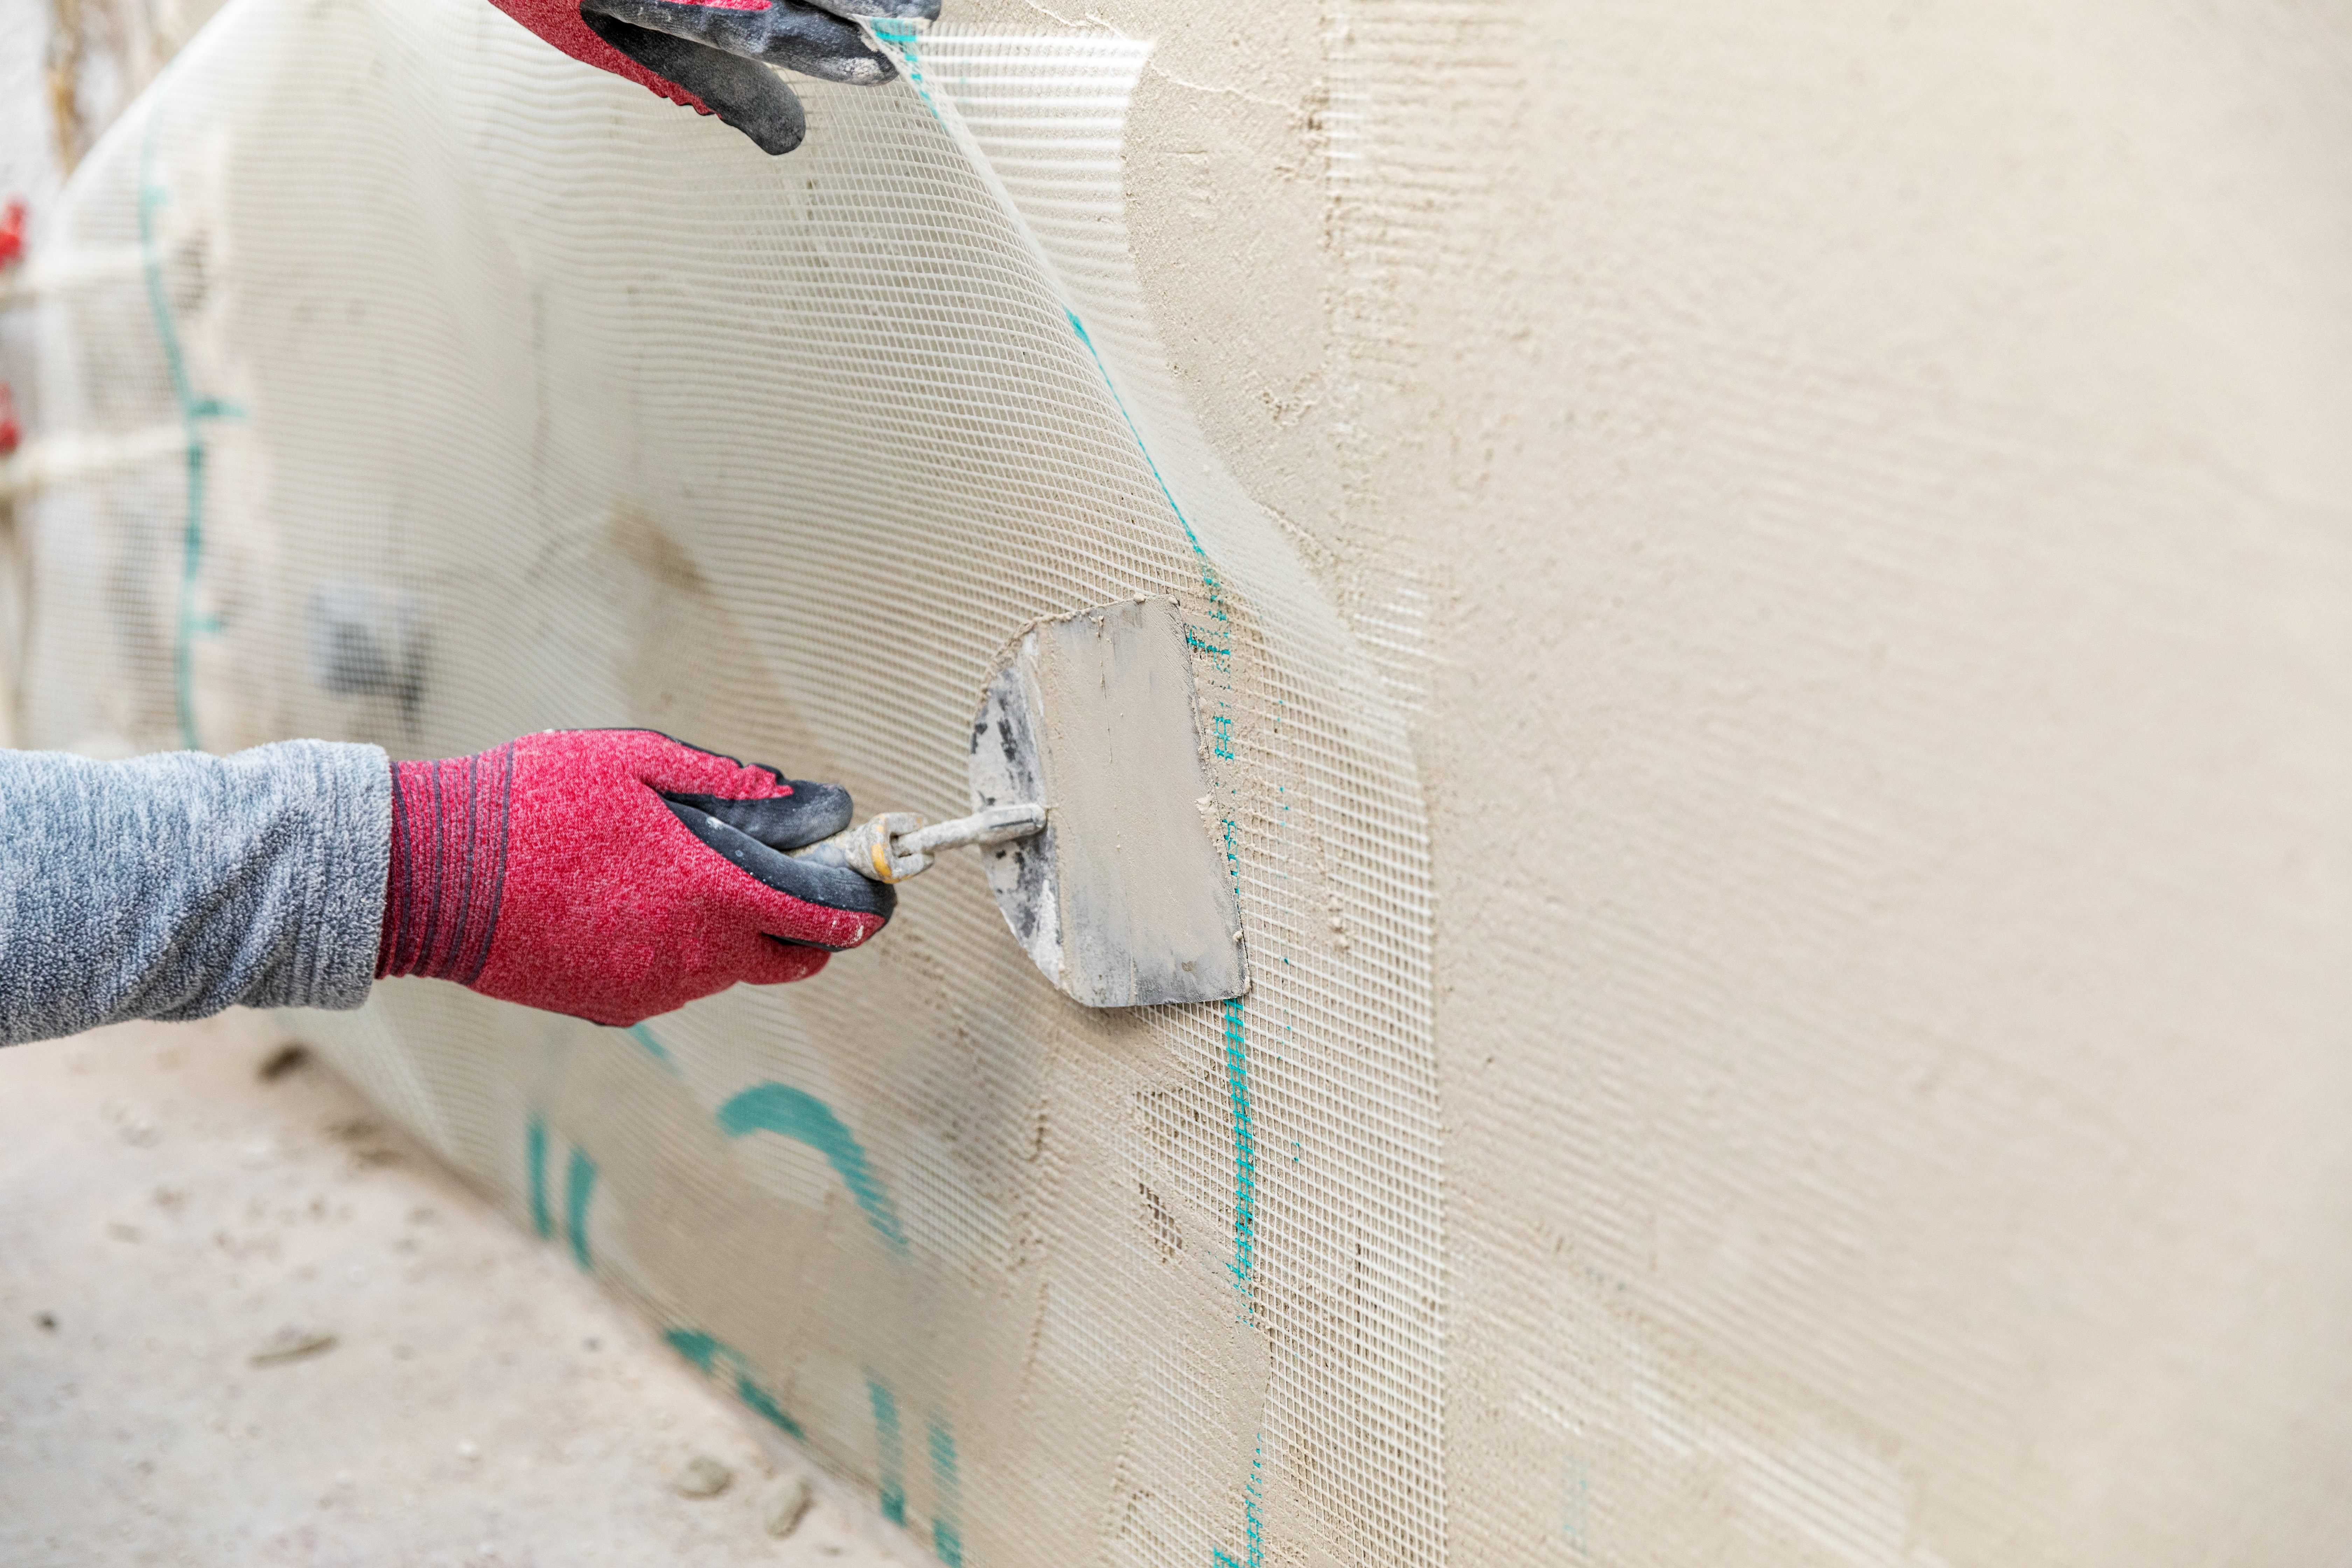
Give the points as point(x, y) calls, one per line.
point(176, 885)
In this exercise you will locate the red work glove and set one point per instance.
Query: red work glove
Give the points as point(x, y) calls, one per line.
point(613, 874)
point(713, 56)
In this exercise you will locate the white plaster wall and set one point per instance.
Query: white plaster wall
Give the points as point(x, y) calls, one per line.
point(1878, 481)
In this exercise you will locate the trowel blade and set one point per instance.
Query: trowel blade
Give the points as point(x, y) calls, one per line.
point(1126, 898)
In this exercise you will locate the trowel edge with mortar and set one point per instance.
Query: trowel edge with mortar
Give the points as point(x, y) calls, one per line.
point(1088, 789)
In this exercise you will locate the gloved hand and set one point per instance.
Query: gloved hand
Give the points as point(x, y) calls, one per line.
point(712, 56)
point(613, 874)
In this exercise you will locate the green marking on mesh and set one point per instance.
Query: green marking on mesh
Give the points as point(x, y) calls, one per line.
point(947, 1488)
point(1253, 1522)
point(194, 410)
point(706, 1352)
point(1245, 1151)
point(535, 1160)
point(756, 1400)
point(579, 1187)
point(695, 1346)
point(891, 1469)
point(795, 1113)
point(654, 1048)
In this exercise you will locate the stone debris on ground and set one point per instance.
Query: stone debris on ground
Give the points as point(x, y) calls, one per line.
point(268, 1329)
point(703, 1477)
point(292, 1344)
point(780, 1510)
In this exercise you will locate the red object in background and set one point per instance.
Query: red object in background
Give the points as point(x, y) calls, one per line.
point(12, 251)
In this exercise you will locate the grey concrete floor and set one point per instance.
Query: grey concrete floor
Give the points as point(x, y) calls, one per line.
point(243, 1321)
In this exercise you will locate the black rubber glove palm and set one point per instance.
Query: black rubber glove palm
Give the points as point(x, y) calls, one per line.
point(717, 55)
point(722, 54)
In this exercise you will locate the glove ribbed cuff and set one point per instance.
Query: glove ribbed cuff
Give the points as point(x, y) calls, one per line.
point(449, 822)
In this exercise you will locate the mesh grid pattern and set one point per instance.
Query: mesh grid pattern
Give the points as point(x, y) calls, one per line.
point(587, 413)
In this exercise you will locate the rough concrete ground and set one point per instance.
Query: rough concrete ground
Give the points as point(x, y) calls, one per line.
point(243, 1321)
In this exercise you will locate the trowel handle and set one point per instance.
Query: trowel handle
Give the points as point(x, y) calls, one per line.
point(896, 845)
point(990, 825)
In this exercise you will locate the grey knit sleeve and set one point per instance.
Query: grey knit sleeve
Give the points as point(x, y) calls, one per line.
point(176, 885)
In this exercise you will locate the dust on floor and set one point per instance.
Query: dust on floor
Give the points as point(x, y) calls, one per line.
point(242, 1320)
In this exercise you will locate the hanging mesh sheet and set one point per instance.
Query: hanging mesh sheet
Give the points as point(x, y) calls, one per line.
point(418, 386)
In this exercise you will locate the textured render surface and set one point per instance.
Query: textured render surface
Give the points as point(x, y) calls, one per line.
point(1927, 501)
point(171, 1214)
point(1879, 480)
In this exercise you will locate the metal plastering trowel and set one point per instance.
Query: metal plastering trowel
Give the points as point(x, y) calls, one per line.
point(1085, 774)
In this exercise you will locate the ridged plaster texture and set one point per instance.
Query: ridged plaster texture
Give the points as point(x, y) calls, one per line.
point(1877, 481)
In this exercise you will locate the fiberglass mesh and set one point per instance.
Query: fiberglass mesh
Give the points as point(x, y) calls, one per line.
point(589, 413)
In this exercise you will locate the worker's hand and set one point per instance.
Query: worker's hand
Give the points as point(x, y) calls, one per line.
point(713, 56)
point(614, 874)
